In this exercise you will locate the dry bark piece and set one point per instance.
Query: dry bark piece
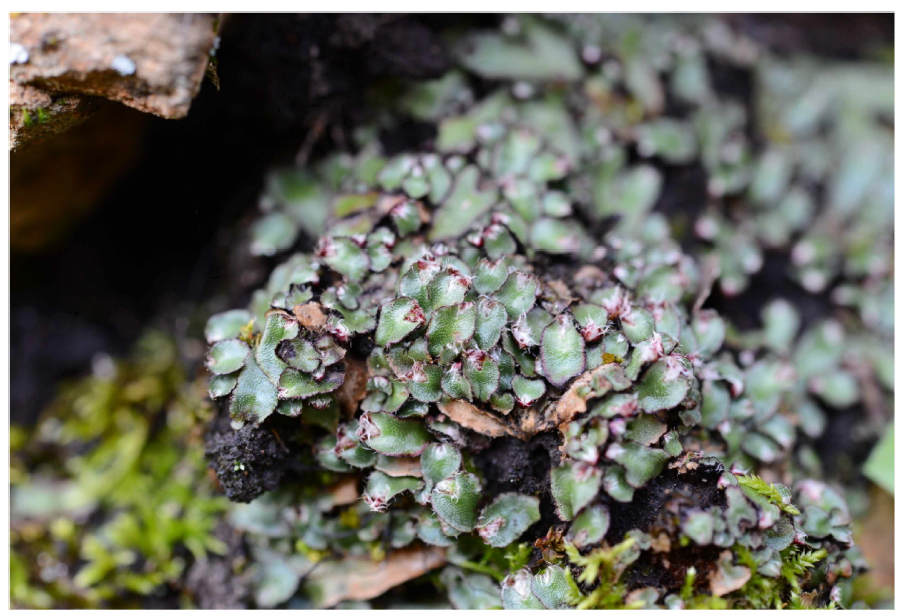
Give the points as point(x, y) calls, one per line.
point(362, 579)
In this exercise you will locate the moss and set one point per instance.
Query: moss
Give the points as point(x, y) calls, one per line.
point(129, 508)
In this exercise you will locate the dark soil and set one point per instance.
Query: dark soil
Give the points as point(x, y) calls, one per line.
point(213, 582)
point(698, 487)
point(683, 199)
point(164, 598)
point(248, 461)
point(510, 464)
point(846, 443)
point(771, 282)
point(667, 571)
point(654, 507)
point(837, 35)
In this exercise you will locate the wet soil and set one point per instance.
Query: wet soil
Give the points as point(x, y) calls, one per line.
point(247, 461)
point(643, 512)
point(509, 464)
point(213, 582)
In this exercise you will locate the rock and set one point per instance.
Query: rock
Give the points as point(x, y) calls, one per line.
point(64, 63)
point(34, 113)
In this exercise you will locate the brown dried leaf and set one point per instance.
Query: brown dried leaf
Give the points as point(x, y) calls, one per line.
point(311, 316)
point(561, 290)
point(345, 491)
point(572, 404)
point(709, 272)
point(531, 422)
point(589, 274)
point(810, 600)
point(661, 543)
point(387, 202)
point(400, 466)
point(727, 577)
point(469, 416)
point(353, 389)
point(363, 579)
point(528, 423)
point(556, 296)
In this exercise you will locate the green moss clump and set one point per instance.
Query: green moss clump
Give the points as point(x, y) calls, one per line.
point(110, 500)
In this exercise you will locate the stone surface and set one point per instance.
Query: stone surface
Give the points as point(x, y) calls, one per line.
point(34, 113)
point(63, 62)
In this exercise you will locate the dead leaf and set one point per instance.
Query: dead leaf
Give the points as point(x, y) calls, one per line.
point(345, 491)
point(387, 202)
point(531, 422)
point(709, 272)
point(661, 543)
point(526, 421)
point(727, 577)
point(362, 579)
point(311, 316)
point(590, 275)
point(572, 404)
point(353, 389)
point(283, 313)
point(810, 600)
point(561, 290)
point(470, 417)
point(400, 466)
point(556, 296)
